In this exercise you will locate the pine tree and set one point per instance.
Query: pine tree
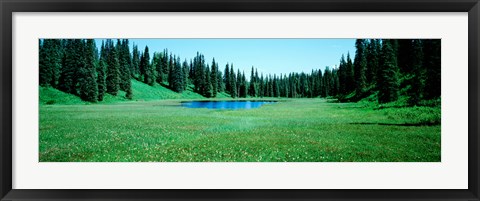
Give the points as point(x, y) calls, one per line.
point(360, 65)
point(213, 78)
point(101, 78)
point(186, 70)
point(238, 82)
point(135, 67)
point(50, 62)
point(113, 66)
point(87, 72)
point(432, 64)
point(233, 83)
point(177, 77)
point(416, 77)
point(253, 88)
point(124, 60)
point(208, 89)
point(68, 81)
point(349, 79)
point(373, 51)
point(157, 64)
point(387, 83)
point(226, 80)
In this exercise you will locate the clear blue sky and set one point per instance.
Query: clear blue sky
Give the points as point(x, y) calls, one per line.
point(267, 55)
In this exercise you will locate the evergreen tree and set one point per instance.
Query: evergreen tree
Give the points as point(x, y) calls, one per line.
point(213, 78)
point(135, 67)
point(101, 78)
point(157, 64)
point(208, 89)
point(373, 51)
point(185, 68)
point(432, 64)
point(349, 79)
point(50, 62)
point(360, 65)
point(342, 76)
point(226, 80)
point(124, 61)
point(113, 66)
point(416, 77)
point(243, 86)
point(177, 84)
point(233, 83)
point(253, 86)
point(87, 72)
point(387, 83)
point(238, 82)
point(68, 81)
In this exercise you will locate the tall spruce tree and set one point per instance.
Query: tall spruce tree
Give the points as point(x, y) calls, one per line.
point(213, 78)
point(101, 78)
point(373, 51)
point(68, 81)
point(417, 75)
point(135, 67)
point(177, 84)
point(252, 91)
point(87, 72)
point(233, 83)
point(50, 62)
point(360, 65)
point(432, 64)
point(113, 69)
point(226, 80)
point(388, 84)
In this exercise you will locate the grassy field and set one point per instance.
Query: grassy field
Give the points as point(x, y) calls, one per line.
point(291, 130)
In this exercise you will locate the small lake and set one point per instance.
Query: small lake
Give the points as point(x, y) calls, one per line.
point(232, 105)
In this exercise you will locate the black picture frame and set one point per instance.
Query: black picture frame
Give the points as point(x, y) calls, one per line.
point(7, 7)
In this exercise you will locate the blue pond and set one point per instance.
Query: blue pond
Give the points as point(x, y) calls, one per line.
point(232, 105)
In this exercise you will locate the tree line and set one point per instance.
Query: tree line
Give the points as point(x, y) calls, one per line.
point(389, 68)
point(392, 68)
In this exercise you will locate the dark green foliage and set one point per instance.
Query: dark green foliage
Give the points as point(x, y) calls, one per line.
point(135, 67)
point(208, 89)
point(177, 82)
point(387, 83)
point(68, 80)
point(373, 59)
point(360, 66)
point(226, 80)
point(233, 83)
point(242, 92)
point(213, 78)
point(157, 65)
point(238, 83)
point(349, 76)
point(252, 91)
point(124, 59)
point(186, 70)
point(50, 62)
point(113, 69)
point(416, 78)
point(432, 64)
point(147, 70)
point(220, 83)
point(101, 78)
point(87, 73)
point(199, 74)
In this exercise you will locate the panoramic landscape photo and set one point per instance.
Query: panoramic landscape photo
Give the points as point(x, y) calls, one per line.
point(239, 100)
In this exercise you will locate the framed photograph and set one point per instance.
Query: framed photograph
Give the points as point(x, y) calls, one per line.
point(239, 100)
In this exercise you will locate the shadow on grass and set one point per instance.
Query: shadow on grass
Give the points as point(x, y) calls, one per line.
point(404, 124)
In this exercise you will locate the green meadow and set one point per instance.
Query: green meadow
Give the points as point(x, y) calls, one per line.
point(291, 130)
